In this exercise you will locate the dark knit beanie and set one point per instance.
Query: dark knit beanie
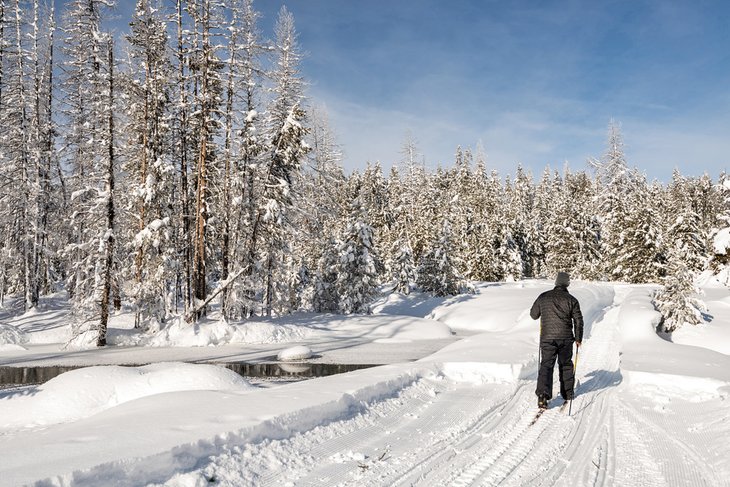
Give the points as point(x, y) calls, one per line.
point(563, 279)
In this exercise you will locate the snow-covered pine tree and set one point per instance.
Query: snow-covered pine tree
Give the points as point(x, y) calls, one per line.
point(402, 268)
point(459, 192)
point(573, 242)
point(182, 149)
point(357, 263)
point(246, 151)
point(396, 210)
point(678, 300)
point(438, 271)
point(40, 138)
point(150, 168)
point(540, 229)
point(49, 198)
point(520, 200)
point(287, 151)
point(414, 193)
point(24, 159)
point(613, 179)
point(481, 260)
point(374, 196)
point(720, 260)
point(507, 248)
point(321, 214)
point(325, 297)
point(638, 252)
point(107, 240)
point(686, 234)
point(90, 81)
point(207, 76)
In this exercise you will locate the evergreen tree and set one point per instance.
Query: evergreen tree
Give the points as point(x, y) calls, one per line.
point(678, 300)
point(207, 78)
point(325, 297)
point(720, 260)
point(287, 151)
point(357, 265)
point(614, 180)
point(438, 271)
point(246, 78)
point(150, 164)
point(638, 254)
point(685, 234)
point(403, 270)
point(90, 92)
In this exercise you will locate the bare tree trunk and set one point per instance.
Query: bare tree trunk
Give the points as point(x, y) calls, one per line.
point(201, 203)
point(2, 51)
point(24, 163)
point(48, 156)
point(139, 259)
point(184, 191)
point(39, 195)
point(109, 250)
point(225, 263)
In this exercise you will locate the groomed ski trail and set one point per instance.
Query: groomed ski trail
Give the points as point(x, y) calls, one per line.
point(437, 432)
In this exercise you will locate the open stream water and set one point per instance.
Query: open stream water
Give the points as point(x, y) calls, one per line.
point(19, 376)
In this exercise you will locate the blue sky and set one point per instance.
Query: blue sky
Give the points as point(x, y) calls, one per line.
point(535, 82)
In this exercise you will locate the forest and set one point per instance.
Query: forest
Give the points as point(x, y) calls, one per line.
point(180, 166)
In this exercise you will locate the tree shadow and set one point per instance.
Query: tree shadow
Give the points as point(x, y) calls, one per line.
point(18, 391)
point(599, 379)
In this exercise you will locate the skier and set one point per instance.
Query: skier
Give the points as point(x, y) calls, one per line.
point(559, 314)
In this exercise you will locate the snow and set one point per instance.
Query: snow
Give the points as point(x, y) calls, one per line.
point(84, 392)
point(297, 327)
point(647, 359)
point(721, 241)
point(11, 338)
point(300, 352)
point(647, 412)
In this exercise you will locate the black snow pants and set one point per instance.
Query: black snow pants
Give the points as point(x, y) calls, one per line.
point(549, 349)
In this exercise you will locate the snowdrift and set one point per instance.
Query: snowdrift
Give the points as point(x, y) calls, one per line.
point(295, 328)
point(648, 360)
point(85, 392)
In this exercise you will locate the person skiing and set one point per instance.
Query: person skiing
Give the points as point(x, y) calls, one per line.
point(561, 323)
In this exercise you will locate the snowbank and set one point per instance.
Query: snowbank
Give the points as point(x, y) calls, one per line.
point(648, 361)
point(713, 334)
point(84, 392)
point(189, 426)
point(294, 328)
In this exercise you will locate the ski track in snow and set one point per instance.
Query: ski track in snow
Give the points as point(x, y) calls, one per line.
point(439, 432)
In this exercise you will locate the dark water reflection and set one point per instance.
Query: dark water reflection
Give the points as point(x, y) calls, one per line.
point(15, 376)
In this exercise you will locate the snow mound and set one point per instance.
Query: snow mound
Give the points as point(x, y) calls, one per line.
point(84, 392)
point(11, 338)
point(183, 334)
point(638, 318)
point(300, 352)
point(649, 362)
point(215, 333)
point(266, 332)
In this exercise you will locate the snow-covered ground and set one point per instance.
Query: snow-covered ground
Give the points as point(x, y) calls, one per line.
point(647, 411)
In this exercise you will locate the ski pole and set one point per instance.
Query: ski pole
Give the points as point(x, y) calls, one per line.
point(575, 367)
point(539, 352)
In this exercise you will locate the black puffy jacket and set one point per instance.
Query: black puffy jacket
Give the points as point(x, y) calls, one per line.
point(559, 312)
